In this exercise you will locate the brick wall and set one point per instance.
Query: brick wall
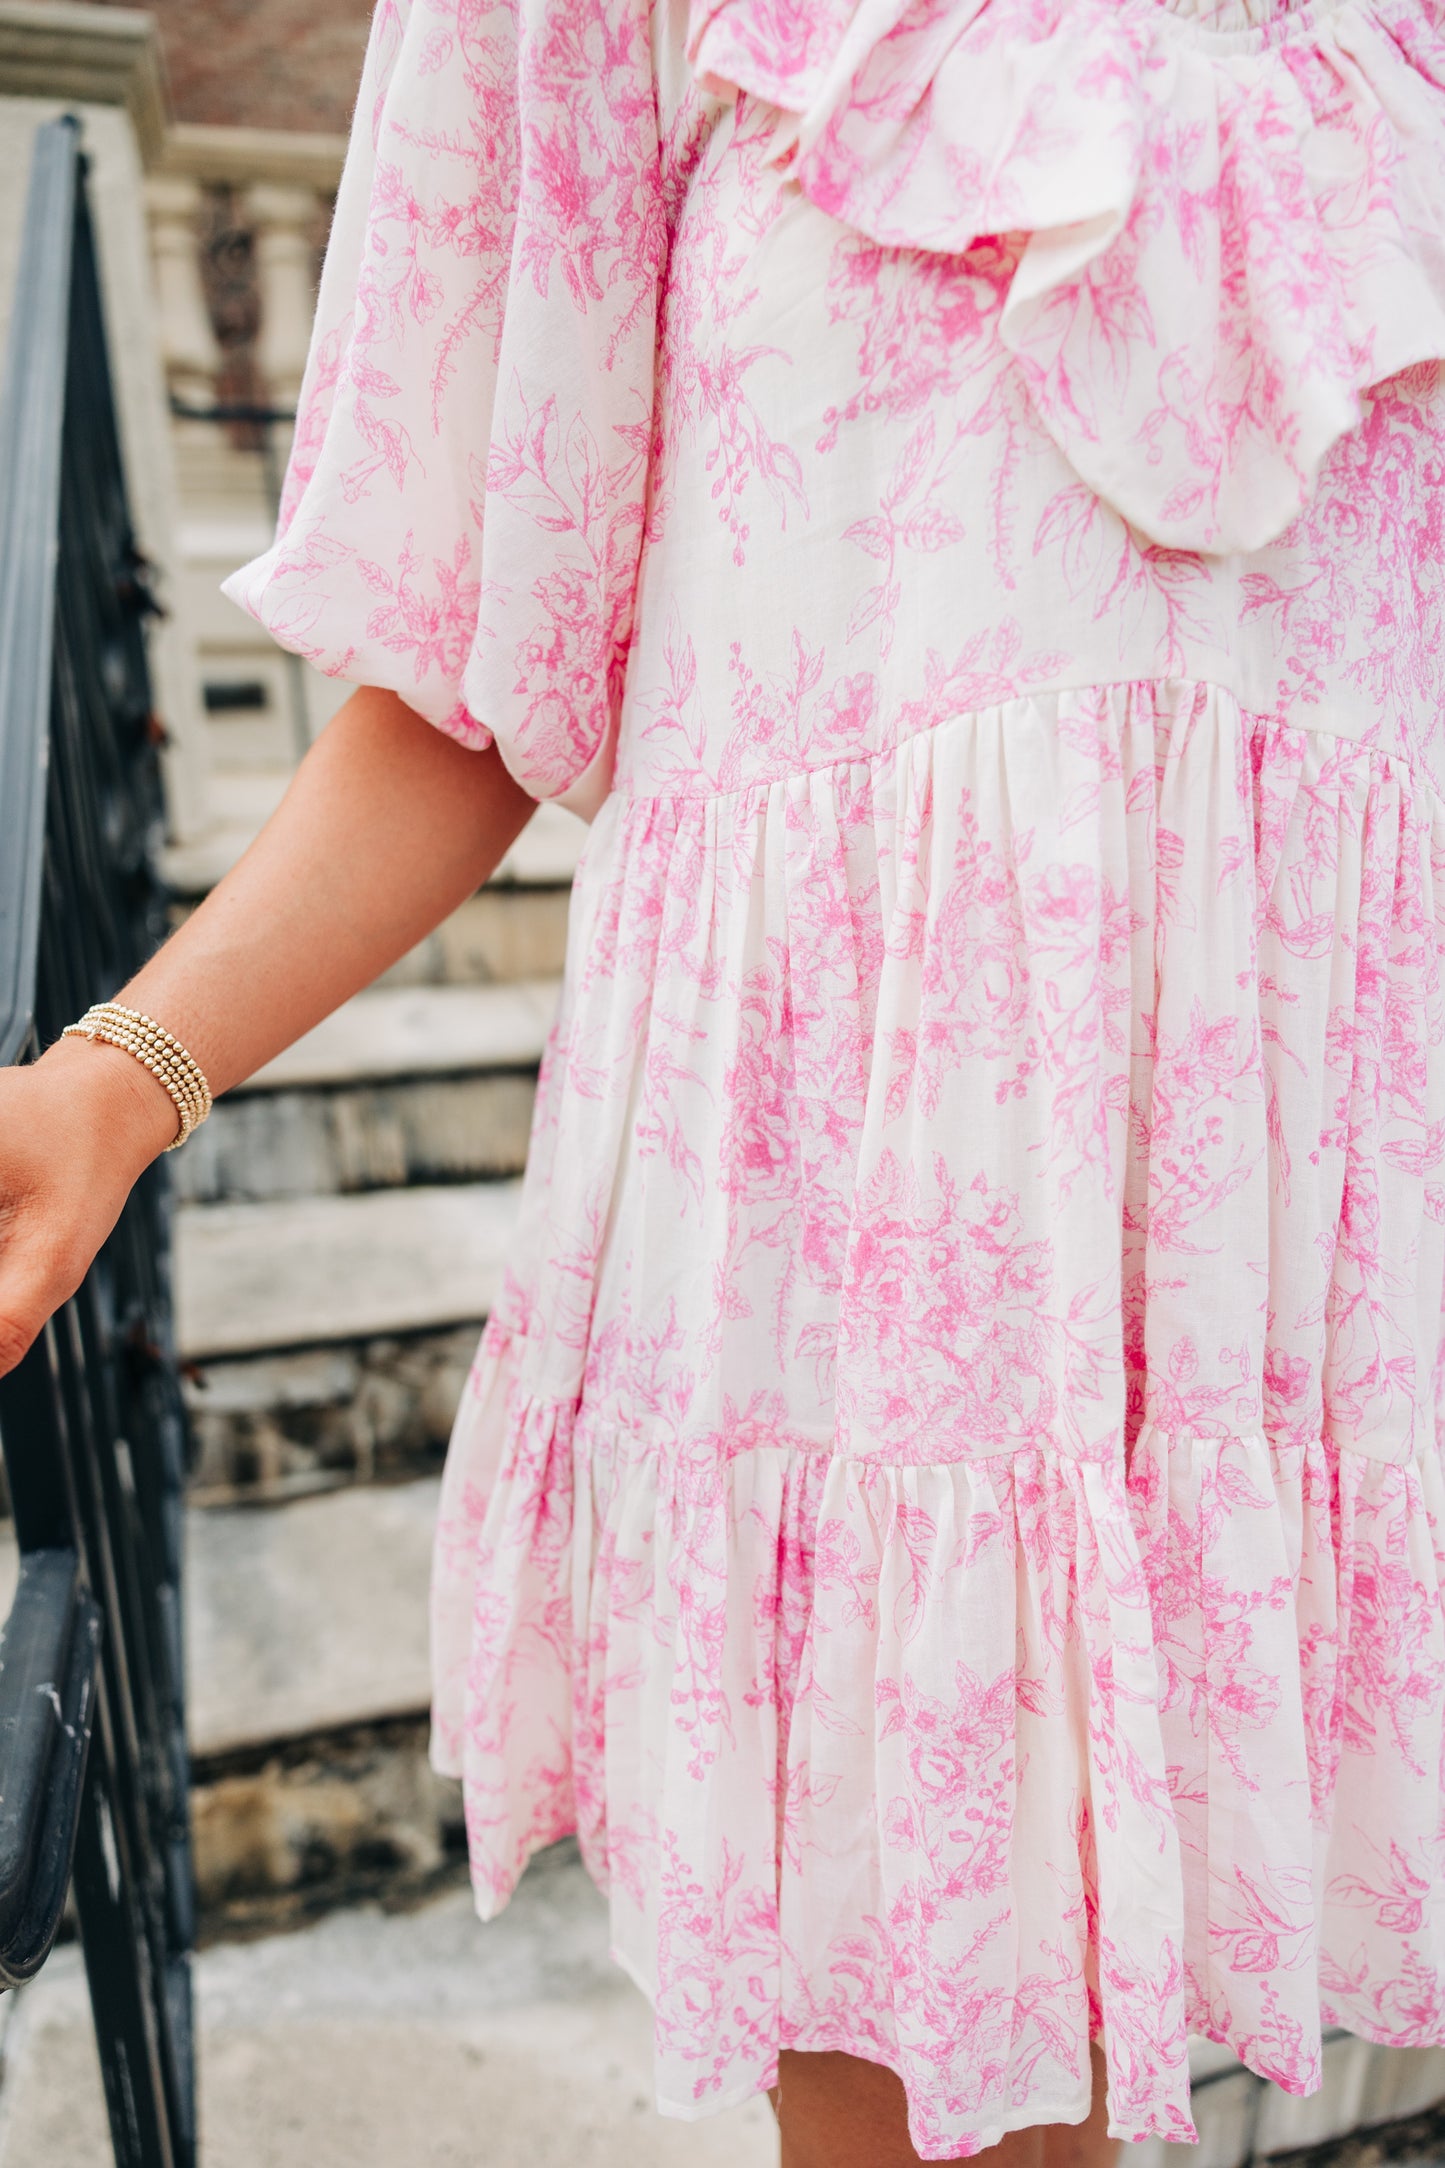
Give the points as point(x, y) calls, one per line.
point(263, 63)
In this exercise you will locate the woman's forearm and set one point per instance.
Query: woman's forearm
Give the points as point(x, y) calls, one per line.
point(387, 826)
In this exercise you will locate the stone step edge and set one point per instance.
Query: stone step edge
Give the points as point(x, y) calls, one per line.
point(308, 1619)
point(291, 1750)
point(392, 1033)
point(544, 855)
point(308, 1271)
point(303, 1621)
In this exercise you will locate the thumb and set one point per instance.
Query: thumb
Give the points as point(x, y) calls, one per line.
point(22, 1318)
point(34, 1282)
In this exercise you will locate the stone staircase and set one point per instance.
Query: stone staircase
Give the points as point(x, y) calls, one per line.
point(341, 1225)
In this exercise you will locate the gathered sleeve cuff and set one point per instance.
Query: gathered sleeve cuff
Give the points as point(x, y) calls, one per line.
point(463, 506)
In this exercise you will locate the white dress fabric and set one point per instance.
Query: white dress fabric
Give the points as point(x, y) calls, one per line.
point(949, 1506)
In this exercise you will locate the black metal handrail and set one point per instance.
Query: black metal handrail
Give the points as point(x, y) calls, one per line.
point(93, 1772)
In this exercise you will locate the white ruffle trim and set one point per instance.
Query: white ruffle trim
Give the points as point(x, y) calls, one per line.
point(1230, 233)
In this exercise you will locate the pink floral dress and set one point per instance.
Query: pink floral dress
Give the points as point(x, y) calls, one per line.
point(949, 1506)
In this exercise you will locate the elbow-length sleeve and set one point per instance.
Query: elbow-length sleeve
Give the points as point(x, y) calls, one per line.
point(464, 501)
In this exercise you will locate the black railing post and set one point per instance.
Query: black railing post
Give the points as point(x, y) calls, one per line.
point(92, 1723)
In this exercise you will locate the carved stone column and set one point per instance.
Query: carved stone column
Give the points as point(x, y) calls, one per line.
point(106, 61)
point(283, 218)
point(188, 343)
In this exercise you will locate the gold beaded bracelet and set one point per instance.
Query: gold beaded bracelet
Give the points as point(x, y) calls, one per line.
point(152, 1046)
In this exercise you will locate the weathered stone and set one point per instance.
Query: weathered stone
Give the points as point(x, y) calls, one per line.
point(268, 1426)
point(307, 1618)
point(309, 1270)
point(419, 2039)
point(315, 1377)
point(322, 1822)
point(419, 1031)
point(280, 1425)
point(498, 935)
point(323, 1142)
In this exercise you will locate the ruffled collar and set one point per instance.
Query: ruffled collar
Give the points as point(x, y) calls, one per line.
point(1235, 210)
point(1231, 16)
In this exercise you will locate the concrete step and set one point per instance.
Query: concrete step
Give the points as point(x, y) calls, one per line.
point(308, 1689)
point(285, 1833)
point(502, 934)
point(309, 1617)
point(307, 1696)
point(278, 1426)
point(398, 1031)
point(374, 2040)
point(339, 1140)
point(402, 1085)
point(313, 1270)
point(243, 800)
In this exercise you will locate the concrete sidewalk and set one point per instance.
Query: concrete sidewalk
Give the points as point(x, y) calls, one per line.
point(417, 2040)
point(426, 2040)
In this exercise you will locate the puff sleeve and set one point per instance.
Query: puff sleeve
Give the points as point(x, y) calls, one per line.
point(463, 506)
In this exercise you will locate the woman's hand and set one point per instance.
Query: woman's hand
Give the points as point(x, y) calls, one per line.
point(386, 828)
point(76, 1130)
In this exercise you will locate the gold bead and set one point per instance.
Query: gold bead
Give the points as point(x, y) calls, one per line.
point(157, 1050)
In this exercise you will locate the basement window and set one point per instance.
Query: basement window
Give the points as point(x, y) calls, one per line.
point(233, 698)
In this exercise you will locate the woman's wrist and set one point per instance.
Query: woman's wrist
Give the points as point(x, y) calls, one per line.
point(131, 1114)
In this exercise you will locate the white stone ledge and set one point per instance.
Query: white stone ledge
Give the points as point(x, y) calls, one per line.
point(297, 1274)
point(95, 55)
point(419, 1031)
point(300, 1618)
point(238, 156)
point(307, 1617)
point(544, 855)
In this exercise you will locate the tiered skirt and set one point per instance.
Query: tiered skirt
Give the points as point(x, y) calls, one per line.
point(949, 1507)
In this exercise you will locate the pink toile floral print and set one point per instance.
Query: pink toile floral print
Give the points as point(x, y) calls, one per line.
point(949, 1506)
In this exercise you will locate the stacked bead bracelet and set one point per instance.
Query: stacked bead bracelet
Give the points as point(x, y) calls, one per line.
point(152, 1046)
